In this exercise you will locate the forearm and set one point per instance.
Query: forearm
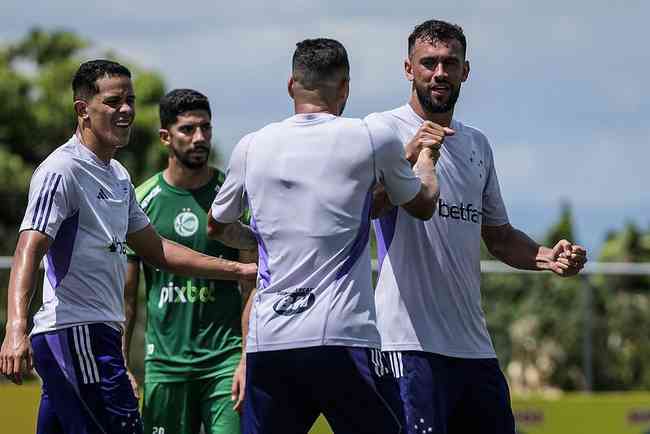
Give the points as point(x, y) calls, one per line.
point(183, 261)
point(21, 282)
point(517, 249)
point(245, 316)
point(429, 179)
point(247, 289)
point(130, 306)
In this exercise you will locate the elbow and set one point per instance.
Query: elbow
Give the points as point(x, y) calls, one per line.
point(429, 206)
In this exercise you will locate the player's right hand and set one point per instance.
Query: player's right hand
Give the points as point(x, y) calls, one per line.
point(15, 355)
point(429, 135)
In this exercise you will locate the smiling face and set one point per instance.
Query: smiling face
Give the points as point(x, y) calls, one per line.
point(437, 70)
point(109, 113)
point(189, 138)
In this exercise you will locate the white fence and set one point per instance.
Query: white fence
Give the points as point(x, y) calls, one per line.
point(602, 268)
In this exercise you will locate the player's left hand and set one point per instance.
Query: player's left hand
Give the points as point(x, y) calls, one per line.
point(567, 259)
point(239, 384)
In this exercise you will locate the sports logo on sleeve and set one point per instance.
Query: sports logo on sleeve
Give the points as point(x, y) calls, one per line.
point(186, 223)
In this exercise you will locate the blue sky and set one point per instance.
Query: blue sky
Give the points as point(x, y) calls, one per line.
point(559, 87)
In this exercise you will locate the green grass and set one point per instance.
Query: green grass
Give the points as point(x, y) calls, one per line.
point(604, 413)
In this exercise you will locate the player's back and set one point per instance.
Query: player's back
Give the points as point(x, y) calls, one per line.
point(309, 181)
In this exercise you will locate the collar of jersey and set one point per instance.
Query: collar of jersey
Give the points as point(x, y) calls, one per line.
point(455, 125)
point(88, 154)
point(311, 118)
point(181, 191)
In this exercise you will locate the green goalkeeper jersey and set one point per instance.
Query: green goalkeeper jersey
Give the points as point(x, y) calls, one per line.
point(193, 324)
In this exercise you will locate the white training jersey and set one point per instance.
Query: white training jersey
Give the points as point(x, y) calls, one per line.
point(308, 182)
point(428, 294)
point(86, 207)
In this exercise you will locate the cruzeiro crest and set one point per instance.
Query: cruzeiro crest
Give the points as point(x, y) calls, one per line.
point(186, 223)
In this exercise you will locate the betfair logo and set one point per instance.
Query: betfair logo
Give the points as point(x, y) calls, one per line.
point(186, 294)
point(463, 212)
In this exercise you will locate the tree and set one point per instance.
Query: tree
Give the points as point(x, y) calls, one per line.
point(36, 116)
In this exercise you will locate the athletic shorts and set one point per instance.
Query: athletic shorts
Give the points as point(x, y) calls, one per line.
point(85, 386)
point(181, 407)
point(448, 395)
point(286, 391)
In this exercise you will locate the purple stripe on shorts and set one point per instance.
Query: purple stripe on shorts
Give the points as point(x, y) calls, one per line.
point(263, 269)
point(361, 241)
point(38, 202)
point(60, 347)
point(385, 231)
point(60, 252)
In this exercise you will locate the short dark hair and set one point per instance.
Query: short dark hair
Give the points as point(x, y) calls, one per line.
point(316, 60)
point(436, 30)
point(84, 83)
point(179, 101)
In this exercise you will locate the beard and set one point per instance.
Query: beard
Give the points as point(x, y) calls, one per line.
point(430, 106)
point(191, 163)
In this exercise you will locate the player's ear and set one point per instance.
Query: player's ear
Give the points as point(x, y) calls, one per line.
point(290, 86)
point(408, 69)
point(465, 70)
point(163, 133)
point(81, 108)
point(345, 89)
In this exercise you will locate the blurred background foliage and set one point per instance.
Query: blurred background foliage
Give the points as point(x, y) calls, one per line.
point(537, 321)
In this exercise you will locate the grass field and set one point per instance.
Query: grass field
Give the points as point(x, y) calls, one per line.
point(607, 413)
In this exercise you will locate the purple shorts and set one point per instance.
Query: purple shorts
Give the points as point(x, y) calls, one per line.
point(85, 386)
point(286, 390)
point(449, 395)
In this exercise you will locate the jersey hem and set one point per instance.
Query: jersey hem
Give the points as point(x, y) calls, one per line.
point(115, 325)
point(458, 354)
point(313, 343)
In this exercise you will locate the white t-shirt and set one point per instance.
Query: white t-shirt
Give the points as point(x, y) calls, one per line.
point(86, 207)
point(308, 183)
point(428, 294)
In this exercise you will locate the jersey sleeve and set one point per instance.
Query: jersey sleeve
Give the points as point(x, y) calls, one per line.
point(138, 220)
point(494, 210)
point(231, 202)
point(392, 169)
point(52, 199)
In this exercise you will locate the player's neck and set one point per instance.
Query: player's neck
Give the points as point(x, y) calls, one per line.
point(90, 141)
point(442, 119)
point(180, 176)
point(305, 108)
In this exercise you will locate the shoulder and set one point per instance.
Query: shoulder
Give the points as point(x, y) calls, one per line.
point(148, 190)
point(61, 161)
point(382, 130)
point(119, 170)
point(471, 132)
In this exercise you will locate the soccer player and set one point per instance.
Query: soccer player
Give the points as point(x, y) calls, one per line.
point(81, 213)
point(428, 294)
point(193, 335)
point(308, 183)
